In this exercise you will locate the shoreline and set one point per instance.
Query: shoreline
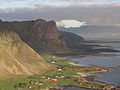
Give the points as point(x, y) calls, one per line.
point(103, 69)
point(91, 55)
point(70, 74)
point(104, 66)
point(87, 75)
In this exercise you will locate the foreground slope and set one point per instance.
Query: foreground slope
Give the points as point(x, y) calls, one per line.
point(16, 57)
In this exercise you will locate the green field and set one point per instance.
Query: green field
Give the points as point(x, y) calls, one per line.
point(64, 73)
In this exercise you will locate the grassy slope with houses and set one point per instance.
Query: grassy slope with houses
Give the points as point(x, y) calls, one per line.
point(64, 73)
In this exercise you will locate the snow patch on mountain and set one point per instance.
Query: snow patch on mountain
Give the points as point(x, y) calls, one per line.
point(71, 23)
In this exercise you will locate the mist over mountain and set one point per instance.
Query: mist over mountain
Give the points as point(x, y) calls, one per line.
point(96, 32)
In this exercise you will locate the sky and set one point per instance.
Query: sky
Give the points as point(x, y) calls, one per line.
point(31, 3)
point(67, 13)
point(94, 12)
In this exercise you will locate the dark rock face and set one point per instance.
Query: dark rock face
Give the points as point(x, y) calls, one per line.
point(41, 35)
point(72, 40)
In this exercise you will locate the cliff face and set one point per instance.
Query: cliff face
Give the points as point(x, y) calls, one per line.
point(72, 40)
point(16, 57)
point(41, 35)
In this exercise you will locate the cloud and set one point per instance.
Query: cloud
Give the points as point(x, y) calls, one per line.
point(91, 1)
point(76, 0)
point(102, 14)
point(12, 3)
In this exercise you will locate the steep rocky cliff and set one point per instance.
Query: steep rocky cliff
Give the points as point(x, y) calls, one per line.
point(41, 35)
point(75, 42)
point(16, 57)
point(72, 40)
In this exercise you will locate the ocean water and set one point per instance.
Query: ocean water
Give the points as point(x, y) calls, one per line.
point(112, 77)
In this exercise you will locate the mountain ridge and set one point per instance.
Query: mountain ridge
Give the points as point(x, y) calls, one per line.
point(72, 40)
point(43, 36)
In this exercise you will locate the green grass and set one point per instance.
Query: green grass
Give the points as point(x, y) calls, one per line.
point(9, 84)
point(68, 71)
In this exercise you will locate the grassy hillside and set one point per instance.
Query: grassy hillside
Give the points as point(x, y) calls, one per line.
point(16, 57)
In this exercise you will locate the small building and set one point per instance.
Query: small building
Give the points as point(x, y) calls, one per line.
point(54, 80)
point(53, 57)
point(59, 69)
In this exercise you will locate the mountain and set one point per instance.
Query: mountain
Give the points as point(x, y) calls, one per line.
point(72, 40)
point(75, 42)
point(96, 32)
point(16, 57)
point(43, 36)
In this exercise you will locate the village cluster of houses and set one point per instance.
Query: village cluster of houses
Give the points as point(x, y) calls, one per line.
point(53, 78)
point(45, 77)
point(54, 60)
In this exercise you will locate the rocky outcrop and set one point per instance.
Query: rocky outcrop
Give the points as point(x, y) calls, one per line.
point(41, 35)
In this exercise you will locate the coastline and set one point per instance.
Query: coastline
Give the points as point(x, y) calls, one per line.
point(87, 75)
point(70, 74)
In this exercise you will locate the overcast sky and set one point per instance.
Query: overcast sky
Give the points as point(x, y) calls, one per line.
point(96, 12)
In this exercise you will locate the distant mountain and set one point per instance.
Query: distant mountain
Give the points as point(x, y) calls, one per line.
point(96, 32)
point(41, 35)
point(72, 40)
point(16, 57)
point(75, 42)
